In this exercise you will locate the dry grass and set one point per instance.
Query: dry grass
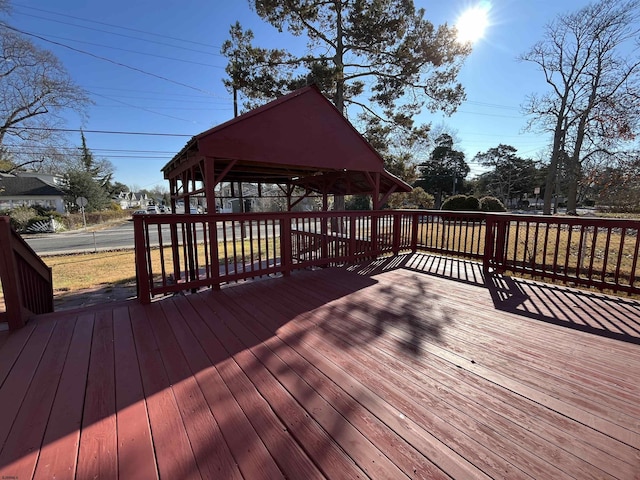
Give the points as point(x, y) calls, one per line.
point(77, 272)
point(81, 271)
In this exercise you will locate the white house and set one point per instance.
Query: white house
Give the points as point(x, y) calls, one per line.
point(29, 190)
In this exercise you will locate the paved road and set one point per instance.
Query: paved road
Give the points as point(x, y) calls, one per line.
point(113, 238)
point(81, 241)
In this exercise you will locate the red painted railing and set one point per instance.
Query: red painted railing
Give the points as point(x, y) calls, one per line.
point(600, 253)
point(26, 280)
point(183, 252)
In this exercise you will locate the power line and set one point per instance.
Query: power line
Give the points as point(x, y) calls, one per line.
point(39, 150)
point(135, 69)
point(492, 105)
point(137, 53)
point(110, 132)
point(123, 35)
point(113, 26)
point(129, 105)
point(164, 94)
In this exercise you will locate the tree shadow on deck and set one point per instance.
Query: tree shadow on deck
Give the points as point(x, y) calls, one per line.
point(393, 314)
point(587, 311)
point(200, 367)
point(595, 313)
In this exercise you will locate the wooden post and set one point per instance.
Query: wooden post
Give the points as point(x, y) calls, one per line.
point(352, 239)
point(415, 225)
point(141, 254)
point(374, 234)
point(285, 245)
point(16, 314)
point(210, 185)
point(489, 241)
point(397, 228)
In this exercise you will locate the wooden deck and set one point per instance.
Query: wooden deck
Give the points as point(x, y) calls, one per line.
point(410, 367)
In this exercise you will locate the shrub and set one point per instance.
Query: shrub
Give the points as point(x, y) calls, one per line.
point(491, 204)
point(20, 217)
point(461, 203)
point(358, 202)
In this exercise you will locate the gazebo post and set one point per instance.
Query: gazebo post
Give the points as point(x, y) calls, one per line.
point(210, 195)
point(173, 187)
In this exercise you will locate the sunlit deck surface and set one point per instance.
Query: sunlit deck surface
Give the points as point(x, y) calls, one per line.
point(410, 367)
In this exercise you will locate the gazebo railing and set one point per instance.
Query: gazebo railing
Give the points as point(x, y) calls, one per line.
point(183, 252)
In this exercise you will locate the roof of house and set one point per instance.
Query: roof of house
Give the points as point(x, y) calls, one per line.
point(16, 186)
point(292, 140)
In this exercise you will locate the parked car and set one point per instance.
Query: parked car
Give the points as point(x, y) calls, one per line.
point(152, 209)
point(139, 212)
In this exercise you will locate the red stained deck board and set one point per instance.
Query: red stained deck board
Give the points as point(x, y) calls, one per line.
point(98, 452)
point(358, 446)
point(538, 377)
point(20, 456)
point(212, 454)
point(288, 454)
point(319, 445)
point(301, 339)
point(481, 316)
point(375, 377)
point(539, 374)
point(408, 459)
point(13, 343)
point(479, 413)
point(483, 393)
point(289, 362)
point(59, 452)
point(17, 382)
point(172, 447)
point(136, 457)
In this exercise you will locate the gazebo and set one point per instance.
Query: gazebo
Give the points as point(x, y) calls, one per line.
point(299, 140)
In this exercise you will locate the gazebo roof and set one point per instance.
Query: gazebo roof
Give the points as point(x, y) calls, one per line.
point(298, 139)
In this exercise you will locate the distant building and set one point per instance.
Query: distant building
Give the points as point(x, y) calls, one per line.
point(129, 200)
point(30, 189)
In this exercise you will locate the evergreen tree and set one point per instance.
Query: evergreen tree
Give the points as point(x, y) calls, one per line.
point(445, 170)
point(381, 62)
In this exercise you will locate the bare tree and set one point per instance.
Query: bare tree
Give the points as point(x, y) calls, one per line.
point(35, 91)
point(590, 60)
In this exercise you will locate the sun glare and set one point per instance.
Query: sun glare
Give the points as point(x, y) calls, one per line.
point(473, 22)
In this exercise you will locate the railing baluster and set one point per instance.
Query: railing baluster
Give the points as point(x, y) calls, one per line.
point(518, 244)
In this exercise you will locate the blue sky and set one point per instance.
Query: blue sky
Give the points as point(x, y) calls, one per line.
point(178, 44)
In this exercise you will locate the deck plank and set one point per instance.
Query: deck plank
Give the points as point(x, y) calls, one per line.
point(136, 457)
point(173, 450)
point(337, 388)
point(98, 451)
point(20, 456)
point(12, 344)
point(364, 452)
point(19, 378)
point(320, 446)
point(349, 334)
point(59, 452)
point(323, 373)
point(200, 423)
point(288, 454)
point(414, 405)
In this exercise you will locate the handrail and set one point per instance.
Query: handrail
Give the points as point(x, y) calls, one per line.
point(194, 251)
point(26, 280)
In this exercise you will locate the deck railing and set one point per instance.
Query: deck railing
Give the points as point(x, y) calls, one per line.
point(183, 252)
point(26, 280)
